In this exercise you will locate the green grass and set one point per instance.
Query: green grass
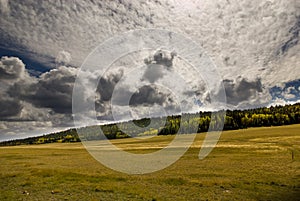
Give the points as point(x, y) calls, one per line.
point(251, 164)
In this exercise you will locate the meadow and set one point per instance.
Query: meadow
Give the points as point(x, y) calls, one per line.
point(247, 164)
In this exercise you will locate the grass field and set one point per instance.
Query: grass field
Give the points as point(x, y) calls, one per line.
point(252, 164)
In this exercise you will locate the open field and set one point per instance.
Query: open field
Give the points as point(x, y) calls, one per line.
point(252, 164)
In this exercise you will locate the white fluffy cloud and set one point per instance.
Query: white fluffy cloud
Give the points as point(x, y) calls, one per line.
point(12, 68)
point(63, 58)
point(279, 101)
point(287, 94)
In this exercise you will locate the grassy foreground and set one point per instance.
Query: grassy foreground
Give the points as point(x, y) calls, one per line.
point(251, 164)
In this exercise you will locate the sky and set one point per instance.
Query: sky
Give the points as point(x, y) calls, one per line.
point(254, 45)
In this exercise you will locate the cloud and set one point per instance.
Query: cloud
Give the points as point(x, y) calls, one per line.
point(4, 6)
point(105, 89)
point(146, 101)
point(46, 98)
point(279, 101)
point(294, 38)
point(246, 40)
point(63, 58)
point(22, 129)
point(9, 108)
point(236, 34)
point(288, 93)
point(34, 105)
point(11, 68)
point(243, 37)
point(243, 93)
point(52, 90)
point(46, 27)
point(161, 57)
point(148, 95)
point(153, 72)
point(116, 82)
point(156, 65)
point(107, 84)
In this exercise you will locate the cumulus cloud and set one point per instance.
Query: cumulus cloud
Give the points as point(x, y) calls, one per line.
point(280, 101)
point(52, 90)
point(154, 72)
point(243, 93)
point(38, 100)
point(107, 84)
point(156, 65)
point(147, 101)
point(11, 68)
point(148, 95)
point(9, 108)
point(145, 96)
point(288, 93)
point(63, 58)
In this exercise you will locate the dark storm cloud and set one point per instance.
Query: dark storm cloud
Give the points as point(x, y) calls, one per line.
point(148, 95)
point(12, 70)
point(52, 90)
point(9, 108)
point(107, 84)
point(242, 90)
point(105, 90)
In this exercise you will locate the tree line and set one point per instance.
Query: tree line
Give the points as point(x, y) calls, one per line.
point(176, 124)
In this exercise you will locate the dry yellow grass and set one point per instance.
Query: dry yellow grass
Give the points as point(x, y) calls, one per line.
point(251, 164)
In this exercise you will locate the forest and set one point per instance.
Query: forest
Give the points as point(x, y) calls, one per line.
point(177, 124)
